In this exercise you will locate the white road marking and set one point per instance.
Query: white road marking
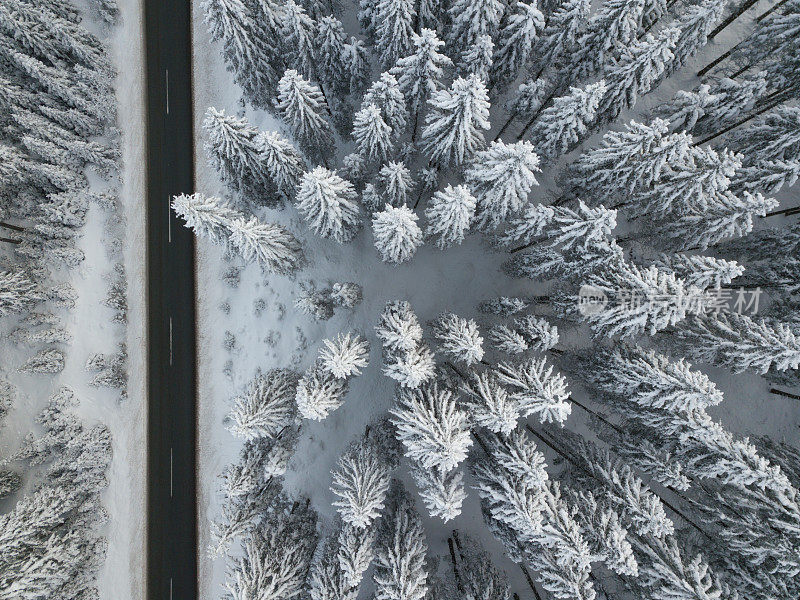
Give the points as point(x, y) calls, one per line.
point(167, 72)
point(170, 341)
point(170, 472)
point(170, 588)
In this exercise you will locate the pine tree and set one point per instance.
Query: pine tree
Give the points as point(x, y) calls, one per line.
point(410, 368)
point(560, 35)
point(515, 41)
point(244, 29)
point(639, 69)
point(400, 569)
point(561, 226)
point(392, 21)
point(356, 551)
point(490, 404)
point(319, 392)
point(501, 178)
point(234, 148)
point(478, 59)
point(526, 333)
point(396, 183)
point(282, 161)
point(385, 93)
point(17, 292)
point(297, 32)
point(460, 338)
point(329, 204)
point(302, 106)
point(739, 343)
point(450, 214)
point(397, 235)
point(453, 127)
point(434, 432)
point(356, 65)
point(699, 271)
point(361, 481)
point(345, 357)
point(695, 23)
point(277, 556)
point(399, 328)
point(372, 135)
point(266, 407)
point(471, 20)
point(420, 74)
point(330, 42)
point(50, 361)
point(536, 389)
point(774, 135)
point(564, 124)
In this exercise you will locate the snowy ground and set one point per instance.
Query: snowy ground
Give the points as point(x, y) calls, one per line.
point(269, 332)
point(90, 323)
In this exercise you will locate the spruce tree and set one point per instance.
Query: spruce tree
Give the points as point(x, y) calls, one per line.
point(266, 407)
point(450, 214)
point(372, 135)
point(515, 41)
point(329, 204)
point(470, 20)
point(392, 21)
point(397, 235)
point(302, 106)
point(454, 124)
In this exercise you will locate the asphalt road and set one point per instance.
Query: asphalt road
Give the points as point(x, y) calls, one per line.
point(171, 377)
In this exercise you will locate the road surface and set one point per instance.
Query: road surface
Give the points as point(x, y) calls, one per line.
point(171, 378)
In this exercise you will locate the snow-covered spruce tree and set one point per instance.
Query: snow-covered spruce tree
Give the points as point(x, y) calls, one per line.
point(421, 73)
point(739, 342)
point(536, 389)
point(410, 368)
point(385, 93)
point(470, 20)
point(392, 22)
point(560, 226)
point(356, 64)
point(515, 41)
point(266, 407)
point(396, 183)
point(330, 40)
point(455, 122)
point(397, 235)
point(302, 106)
point(244, 29)
point(17, 292)
point(400, 554)
point(361, 482)
point(524, 333)
point(51, 540)
point(399, 328)
point(372, 135)
point(234, 148)
point(355, 553)
point(517, 493)
point(459, 338)
point(450, 214)
point(277, 555)
point(51, 360)
point(319, 392)
point(434, 432)
point(563, 124)
point(283, 162)
point(501, 178)
point(269, 245)
point(346, 356)
point(329, 204)
point(477, 59)
point(297, 34)
point(561, 31)
point(442, 493)
point(701, 271)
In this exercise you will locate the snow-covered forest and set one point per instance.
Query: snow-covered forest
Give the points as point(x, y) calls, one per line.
point(62, 282)
point(500, 298)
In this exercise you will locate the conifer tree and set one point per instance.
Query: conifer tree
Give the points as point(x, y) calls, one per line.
point(266, 407)
point(361, 481)
point(470, 20)
point(420, 74)
point(490, 404)
point(478, 59)
point(460, 338)
point(319, 392)
point(372, 135)
point(302, 106)
point(397, 235)
point(282, 161)
point(501, 178)
point(450, 214)
point(392, 21)
point(330, 41)
point(701, 271)
point(234, 148)
point(434, 432)
point(399, 328)
point(563, 124)
point(355, 60)
point(560, 34)
point(297, 32)
point(385, 93)
point(329, 204)
point(515, 41)
point(536, 389)
point(345, 357)
point(268, 244)
point(17, 292)
point(442, 493)
point(396, 182)
point(454, 124)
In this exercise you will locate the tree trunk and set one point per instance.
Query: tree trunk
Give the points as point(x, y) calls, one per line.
point(786, 212)
point(718, 60)
point(505, 126)
point(414, 132)
point(733, 126)
point(735, 15)
point(11, 227)
point(530, 582)
point(742, 70)
point(769, 11)
point(784, 393)
point(521, 248)
point(10, 241)
point(456, 572)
